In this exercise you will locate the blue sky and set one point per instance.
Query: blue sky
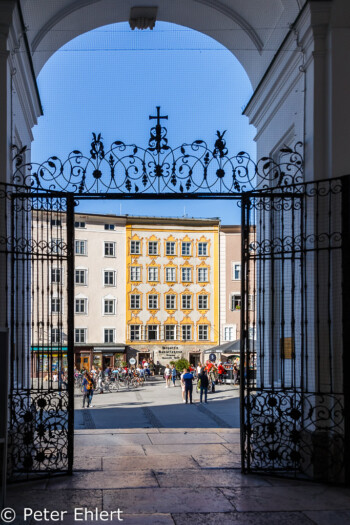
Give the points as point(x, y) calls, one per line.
point(111, 79)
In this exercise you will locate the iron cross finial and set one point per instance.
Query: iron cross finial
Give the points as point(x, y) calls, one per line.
point(158, 116)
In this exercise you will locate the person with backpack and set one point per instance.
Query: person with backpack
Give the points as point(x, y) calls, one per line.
point(88, 389)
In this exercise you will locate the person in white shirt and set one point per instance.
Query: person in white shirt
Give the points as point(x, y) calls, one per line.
point(167, 374)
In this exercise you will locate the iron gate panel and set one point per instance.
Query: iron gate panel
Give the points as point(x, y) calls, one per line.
point(292, 346)
point(38, 258)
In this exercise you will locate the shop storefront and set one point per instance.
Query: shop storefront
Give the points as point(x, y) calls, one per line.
point(48, 360)
point(99, 356)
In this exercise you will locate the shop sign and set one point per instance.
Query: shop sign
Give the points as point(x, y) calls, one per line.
point(132, 361)
point(212, 357)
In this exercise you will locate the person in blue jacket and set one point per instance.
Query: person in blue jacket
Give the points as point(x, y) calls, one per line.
point(188, 380)
point(173, 374)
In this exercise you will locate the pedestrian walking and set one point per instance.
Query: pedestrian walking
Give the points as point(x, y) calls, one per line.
point(173, 374)
point(183, 386)
point(88, 389)
point(235, 374)
point(167, 375)
point(188, 380)
point(204, 383)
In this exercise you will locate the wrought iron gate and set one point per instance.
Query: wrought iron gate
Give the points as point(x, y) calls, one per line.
point(294, 262)
point(37, 259)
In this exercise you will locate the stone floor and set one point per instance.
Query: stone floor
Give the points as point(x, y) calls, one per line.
point(166, 476)
point(162, 462)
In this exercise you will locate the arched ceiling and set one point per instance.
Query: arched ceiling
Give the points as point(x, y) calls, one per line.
point(252, 29)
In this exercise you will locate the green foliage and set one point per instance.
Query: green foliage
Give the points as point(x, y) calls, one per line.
point(124, 363)
point(172, 363)
point(182, 363)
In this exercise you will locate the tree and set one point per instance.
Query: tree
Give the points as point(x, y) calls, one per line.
point(182, 363)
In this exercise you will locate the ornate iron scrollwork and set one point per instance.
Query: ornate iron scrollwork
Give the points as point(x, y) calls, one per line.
point(190, 168)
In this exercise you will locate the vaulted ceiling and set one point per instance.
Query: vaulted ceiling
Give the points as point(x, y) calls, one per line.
point(252, 29)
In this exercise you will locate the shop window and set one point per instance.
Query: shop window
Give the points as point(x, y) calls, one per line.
point(203, 332)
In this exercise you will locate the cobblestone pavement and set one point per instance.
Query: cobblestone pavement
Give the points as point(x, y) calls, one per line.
point(172, 474)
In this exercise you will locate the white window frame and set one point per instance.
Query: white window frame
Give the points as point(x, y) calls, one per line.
point(207, 301)
point(54, 310)
point(61, 274)
point(155, 270)
point(110, 300)
point(58, 332)
point(133, 245)
point(151, 246)
point(137, 269)
point(236, 269)
point(167, 333)
point(109, 227)
point(183, 298)
point(170, 248)
point(228, 328)
point(172, 272)
point(56, 222)
point(233, 300)
point(186, 327)
point(106, 246)
point(151, 298)
point(186, 270)
point(157, 332)
point(80, 331)
point(109, 272)
point(202, 332)
point(84, 301)
point(78, 224)
point(202, 275)
point(173, 299)
point(137, 331)
point(139, 301)
point(110, 331)
point(202, 247)
point(84, 270)
point(188, 245)
point(56, 245)
point(81, 243)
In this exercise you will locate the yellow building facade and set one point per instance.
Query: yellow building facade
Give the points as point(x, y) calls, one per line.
point(172, 287)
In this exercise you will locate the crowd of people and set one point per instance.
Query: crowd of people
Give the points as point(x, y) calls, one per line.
point(207, 375)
